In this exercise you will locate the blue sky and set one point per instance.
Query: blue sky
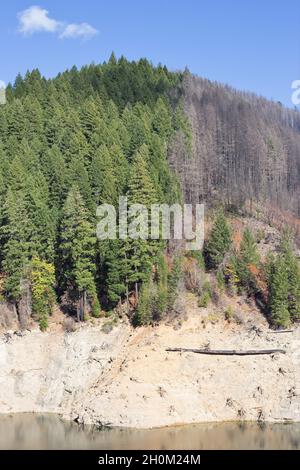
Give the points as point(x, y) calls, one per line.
point(250, 44)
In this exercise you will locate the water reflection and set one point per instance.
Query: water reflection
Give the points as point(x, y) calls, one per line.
point(31, 431)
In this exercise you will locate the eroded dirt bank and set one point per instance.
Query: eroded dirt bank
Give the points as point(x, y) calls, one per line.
point(126, 378)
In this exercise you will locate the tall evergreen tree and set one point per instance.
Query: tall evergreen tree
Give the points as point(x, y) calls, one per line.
point(117, 269)
point(279, 293)
point(120, 168)
point(77, 251)
point(219, 242)
point(247, 262)
point(55, 172)
point(15, 240)
point(91, 114)
point(141, 191)
point(78, 176)
point(140, 187)
point(293, 272)
point(42, 287)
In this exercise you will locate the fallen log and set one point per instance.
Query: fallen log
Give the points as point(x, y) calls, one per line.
point(232, 352)
point(281, 331)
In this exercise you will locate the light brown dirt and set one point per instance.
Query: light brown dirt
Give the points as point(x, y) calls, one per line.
point(126, 377)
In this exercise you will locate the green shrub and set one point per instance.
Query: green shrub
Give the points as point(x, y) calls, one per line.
point(173, 280)
point(96, 310)
point(204, 300)
point(220, 280)
point(143, 314)
point(228, 313)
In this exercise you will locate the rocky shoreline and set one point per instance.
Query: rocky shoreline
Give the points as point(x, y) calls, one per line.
point(126, 378)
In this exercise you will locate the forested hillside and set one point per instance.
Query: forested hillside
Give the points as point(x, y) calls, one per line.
point(246, 149)
point(89, 136)
point(66, 146)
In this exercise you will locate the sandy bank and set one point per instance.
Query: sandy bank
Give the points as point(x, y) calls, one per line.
point(126, 378)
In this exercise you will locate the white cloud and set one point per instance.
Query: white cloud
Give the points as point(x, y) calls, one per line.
point(35, 19)
point(2, 84)
point(82, 30)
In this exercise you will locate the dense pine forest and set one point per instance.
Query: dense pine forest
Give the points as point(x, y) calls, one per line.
point(87, 137)
point(66, 146)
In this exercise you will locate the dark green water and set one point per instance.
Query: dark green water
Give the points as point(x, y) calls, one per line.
point(31, 431)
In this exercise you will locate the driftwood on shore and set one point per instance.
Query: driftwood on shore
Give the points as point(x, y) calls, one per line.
point(232, 352)
point(281, 331)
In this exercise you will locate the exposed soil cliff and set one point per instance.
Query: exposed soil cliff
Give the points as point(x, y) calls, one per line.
point(126, 378)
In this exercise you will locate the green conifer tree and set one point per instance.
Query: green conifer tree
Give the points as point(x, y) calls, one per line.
point(77, 250)
point(219, 242)
point(42, 287)
point(247, 260)
point(141, 252)
point(293, 270)
point(279, 293)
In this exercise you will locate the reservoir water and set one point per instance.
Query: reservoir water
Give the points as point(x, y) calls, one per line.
point(33, 431)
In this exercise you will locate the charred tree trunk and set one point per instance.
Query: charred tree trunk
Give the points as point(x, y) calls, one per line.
point(84, 302)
